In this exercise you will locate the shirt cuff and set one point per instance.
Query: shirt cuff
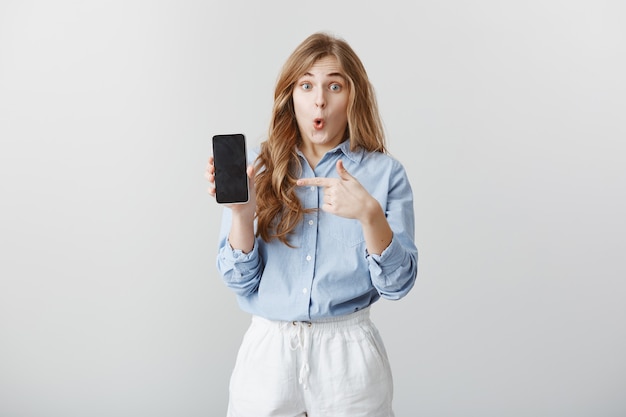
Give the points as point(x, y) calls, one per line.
point(242, 262)
point(390, 258)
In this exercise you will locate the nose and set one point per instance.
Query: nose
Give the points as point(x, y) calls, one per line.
point(320, 100)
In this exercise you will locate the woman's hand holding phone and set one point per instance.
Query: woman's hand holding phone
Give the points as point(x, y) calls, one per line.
point(209, 174)
point(242, 228)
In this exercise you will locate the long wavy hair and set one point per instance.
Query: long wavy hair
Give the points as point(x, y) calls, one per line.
point(279, 210)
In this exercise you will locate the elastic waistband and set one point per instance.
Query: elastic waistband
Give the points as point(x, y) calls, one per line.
point(347, 320)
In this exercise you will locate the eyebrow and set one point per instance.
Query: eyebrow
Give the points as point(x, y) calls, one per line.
point(332, 74)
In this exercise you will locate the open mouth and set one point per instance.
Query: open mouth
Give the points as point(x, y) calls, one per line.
point(318, 123)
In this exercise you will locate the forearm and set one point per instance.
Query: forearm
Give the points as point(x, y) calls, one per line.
point(241, 236)
point(376, 229)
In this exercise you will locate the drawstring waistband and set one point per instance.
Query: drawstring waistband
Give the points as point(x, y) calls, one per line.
point(300, 334)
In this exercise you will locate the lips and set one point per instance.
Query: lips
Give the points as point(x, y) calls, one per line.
point(318, 123)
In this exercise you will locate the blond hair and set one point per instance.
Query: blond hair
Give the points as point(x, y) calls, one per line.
point(278, 167)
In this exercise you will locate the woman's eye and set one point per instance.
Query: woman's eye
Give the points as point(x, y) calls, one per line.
point(306, 86)
point(335, 87)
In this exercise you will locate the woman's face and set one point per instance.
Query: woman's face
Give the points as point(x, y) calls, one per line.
point(320, 99)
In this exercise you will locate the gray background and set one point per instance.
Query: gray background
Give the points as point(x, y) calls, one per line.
point(509, 117)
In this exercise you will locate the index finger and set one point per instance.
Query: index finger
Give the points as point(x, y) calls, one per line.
point(317, 182)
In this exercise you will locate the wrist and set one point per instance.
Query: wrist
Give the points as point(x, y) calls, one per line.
point(371, 213)
point(243, 213)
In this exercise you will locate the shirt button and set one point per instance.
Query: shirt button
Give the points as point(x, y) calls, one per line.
point(311, 222)
point(312, 188)
point(304, 290)
point(308, 257)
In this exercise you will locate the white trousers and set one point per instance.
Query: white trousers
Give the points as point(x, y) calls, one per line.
point(331, 368)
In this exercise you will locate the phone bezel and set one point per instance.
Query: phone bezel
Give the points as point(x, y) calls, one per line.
point(242, 138)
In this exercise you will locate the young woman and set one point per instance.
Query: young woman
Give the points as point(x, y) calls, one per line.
point(328, 231)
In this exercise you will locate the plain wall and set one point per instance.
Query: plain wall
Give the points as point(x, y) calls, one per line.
point(509, 117)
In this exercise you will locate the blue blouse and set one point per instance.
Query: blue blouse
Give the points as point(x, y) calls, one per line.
point(328, 272)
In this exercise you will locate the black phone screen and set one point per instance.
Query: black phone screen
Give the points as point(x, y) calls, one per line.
point(230, 162)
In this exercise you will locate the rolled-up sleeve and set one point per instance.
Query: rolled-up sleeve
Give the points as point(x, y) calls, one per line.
point(240, 271)
point(394, 271)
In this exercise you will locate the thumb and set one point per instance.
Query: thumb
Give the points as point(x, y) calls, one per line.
point(251, 172)
point(341, 170)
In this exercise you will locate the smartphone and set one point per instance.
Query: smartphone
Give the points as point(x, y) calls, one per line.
point(230, 161)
